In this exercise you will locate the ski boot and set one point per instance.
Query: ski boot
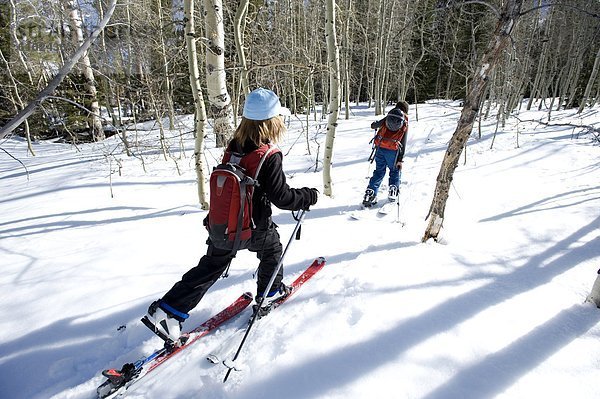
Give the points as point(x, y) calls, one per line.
point(165, 321)
point(392, 193)
point(370, 198)
point(272, 297)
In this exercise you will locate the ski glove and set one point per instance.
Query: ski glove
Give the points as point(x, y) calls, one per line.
point(313, 194)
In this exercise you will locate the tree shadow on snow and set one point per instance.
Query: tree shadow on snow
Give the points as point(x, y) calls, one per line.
point(38, 228)
point(345, 365)
point(63, 354)
point(106, 186)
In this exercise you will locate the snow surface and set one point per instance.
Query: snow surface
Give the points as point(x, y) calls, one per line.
point(495, 309)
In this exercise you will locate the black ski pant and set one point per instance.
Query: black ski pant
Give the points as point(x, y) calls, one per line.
point(187, 293)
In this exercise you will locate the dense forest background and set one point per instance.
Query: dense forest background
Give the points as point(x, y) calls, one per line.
point(389, 50)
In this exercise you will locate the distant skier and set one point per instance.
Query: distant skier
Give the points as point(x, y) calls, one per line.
point(390, 143)
point(261, 126)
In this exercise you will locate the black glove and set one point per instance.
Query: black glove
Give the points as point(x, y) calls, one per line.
point(313, 195)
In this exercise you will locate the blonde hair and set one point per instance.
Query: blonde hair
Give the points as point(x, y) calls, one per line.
point(260, 132)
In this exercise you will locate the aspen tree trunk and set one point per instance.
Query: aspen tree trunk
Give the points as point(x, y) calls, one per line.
point(17, 42)
point(573, 80)
point(218, 97)
point(441, 66)
point(596, 97)
point(405, 78)
point(325, 90)
point(411, 77)
point(333, 61)
point(522, 76)
point(536, 91)
point(378, 70)
point(105, 82)
point(453, 58)
point(17, 100)
point(128, 64)
point(293, 24)
point(385, 63)
point(347, 63)
point(363, 75)
point(570, 69)
point(238, 30)
point(590, 83)
point(168, 90)
point(491, 57)
point(200, 111)
point(94, 121)
point(31, 107)
point(21, 55)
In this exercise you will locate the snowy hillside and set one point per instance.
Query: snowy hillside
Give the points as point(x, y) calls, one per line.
point(88, 240)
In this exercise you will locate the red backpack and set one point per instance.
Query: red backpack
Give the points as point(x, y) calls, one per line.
point(232, 184)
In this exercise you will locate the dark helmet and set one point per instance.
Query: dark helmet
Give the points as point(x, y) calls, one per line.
point(403, 106)
point(394, 120)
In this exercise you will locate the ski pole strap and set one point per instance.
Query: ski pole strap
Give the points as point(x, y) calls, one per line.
point(297, 219)
point(374, 137)
point(372, 156)
point(373, 147)
point(226, 272)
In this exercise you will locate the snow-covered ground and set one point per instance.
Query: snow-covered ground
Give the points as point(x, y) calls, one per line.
point(89, 237)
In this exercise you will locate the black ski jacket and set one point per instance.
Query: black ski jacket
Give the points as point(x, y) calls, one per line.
point(273, 189)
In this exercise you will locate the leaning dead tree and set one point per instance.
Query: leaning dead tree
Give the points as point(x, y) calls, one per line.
point(67, 67)
point(492, 56)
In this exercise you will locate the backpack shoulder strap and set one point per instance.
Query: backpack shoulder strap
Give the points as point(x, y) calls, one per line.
point(233, 154)
point(272, 149)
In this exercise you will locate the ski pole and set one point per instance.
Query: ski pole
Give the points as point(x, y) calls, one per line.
point(264, 296)
point(398, 208)
point(372, 155)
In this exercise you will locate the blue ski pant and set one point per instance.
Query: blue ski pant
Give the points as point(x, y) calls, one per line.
point(384, 159)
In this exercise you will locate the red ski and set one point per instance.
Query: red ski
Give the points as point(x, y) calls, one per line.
point(118, 381)
point(220, 354)
point(300, 280)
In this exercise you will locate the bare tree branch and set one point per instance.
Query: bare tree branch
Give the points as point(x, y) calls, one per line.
point(31, 107)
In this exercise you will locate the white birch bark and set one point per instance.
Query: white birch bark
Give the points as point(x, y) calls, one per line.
point(378, 70)
point(94, 121)
point(238, 30)
point(165, 67)
point(25, 65)
point(347, 61)
point(200, 111)
point(17, 101)
point(17, 42)
point(333, 61)
point(590, 83)
point(218, 97)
